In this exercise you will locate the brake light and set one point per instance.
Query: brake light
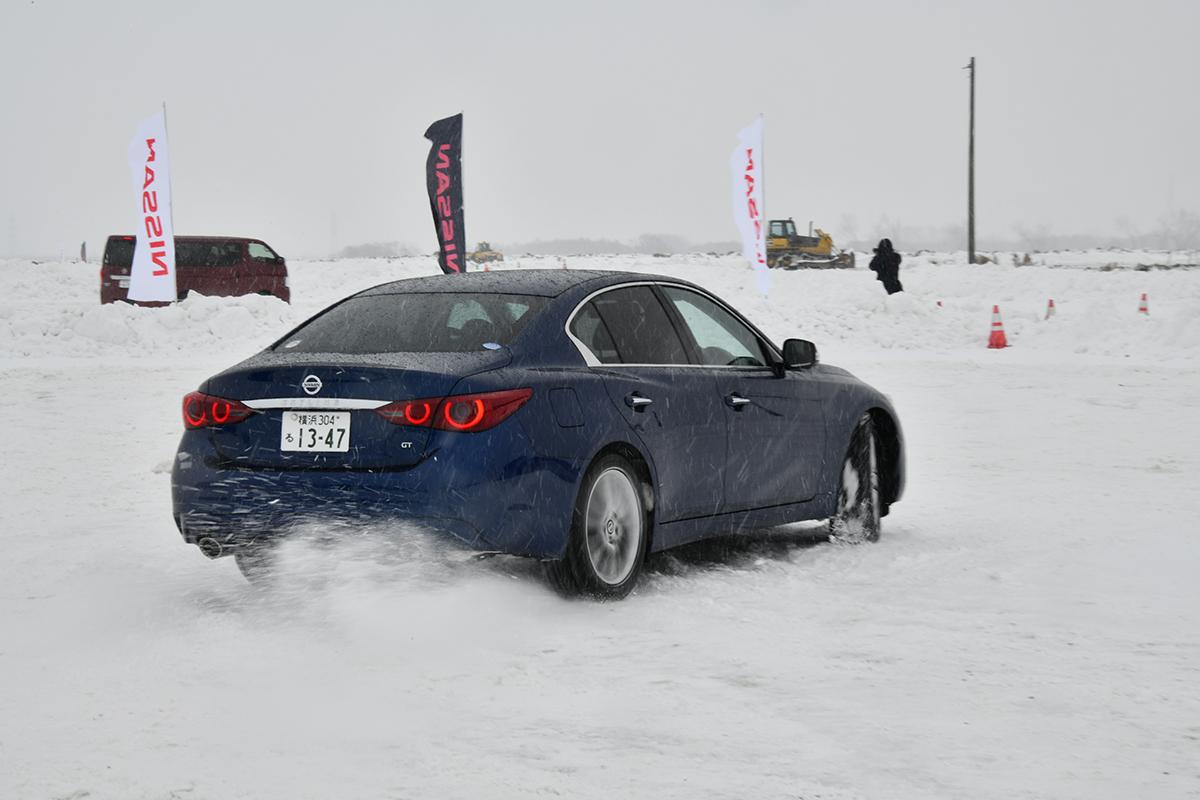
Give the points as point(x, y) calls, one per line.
point(205, 411)
point(418, 412)
point(468, 413)
point(461, 414)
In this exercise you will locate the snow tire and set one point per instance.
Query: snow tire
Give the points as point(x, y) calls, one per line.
point(859, 508)
point(609, 532)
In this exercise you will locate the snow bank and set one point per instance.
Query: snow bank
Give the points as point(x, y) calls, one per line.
point(52, 310)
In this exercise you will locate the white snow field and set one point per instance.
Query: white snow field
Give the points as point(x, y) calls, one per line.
point(1028, 626)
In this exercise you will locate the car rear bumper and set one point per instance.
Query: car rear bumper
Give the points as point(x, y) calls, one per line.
point(463, 487)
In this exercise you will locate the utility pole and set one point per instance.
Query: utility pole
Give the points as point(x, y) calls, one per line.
point(971, 173)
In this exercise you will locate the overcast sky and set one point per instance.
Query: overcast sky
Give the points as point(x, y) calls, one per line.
point(302, 123)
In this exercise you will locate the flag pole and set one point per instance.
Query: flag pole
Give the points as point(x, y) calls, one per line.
point(462, 158)
point(762, 171)
point(170, 188)
point(762, 212)
point(171, 208)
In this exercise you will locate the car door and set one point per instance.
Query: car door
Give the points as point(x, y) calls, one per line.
point(190, 273)
point(776, 430)
point(227, 267)
point(673, 407)
point(260, 270)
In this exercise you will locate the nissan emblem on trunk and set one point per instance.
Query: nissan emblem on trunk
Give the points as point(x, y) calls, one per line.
point(311, 384)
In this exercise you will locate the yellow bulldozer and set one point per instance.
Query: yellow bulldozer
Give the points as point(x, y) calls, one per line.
point(484, 253)
point(787, 249)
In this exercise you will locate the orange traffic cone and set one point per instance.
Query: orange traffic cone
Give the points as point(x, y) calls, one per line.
point(1144, 305)
point(1050, 309)
point(486, 268)
point(997, 341)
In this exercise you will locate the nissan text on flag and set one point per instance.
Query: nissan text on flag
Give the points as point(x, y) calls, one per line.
point(746, 162)
point(152, 275)
point(443, 179)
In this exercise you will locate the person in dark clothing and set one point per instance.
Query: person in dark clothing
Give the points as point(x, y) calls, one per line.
point(886, 266)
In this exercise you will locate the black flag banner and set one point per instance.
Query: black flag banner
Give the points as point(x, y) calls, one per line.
point(443, 178)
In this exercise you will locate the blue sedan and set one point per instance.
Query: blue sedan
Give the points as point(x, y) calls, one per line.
point(580, 418)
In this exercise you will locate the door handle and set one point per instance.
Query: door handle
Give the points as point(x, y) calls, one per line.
point(637, 402)
point(736, 401)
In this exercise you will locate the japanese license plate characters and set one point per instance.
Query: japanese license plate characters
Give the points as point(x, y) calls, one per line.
point(315, 431)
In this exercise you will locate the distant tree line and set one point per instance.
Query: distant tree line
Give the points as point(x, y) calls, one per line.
point(661, 243)
point(664, 244)
point(378, 250)
point(1177, 230)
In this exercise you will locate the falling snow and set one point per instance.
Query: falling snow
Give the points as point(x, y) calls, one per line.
point(1028, 625)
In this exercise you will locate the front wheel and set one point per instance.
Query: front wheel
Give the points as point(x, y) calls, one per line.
point(609, 531)
point(857, 518)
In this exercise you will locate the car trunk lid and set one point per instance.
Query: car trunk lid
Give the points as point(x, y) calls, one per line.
point(328, 402)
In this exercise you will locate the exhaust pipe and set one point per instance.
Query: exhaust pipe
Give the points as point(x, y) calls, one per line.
point(210, 547)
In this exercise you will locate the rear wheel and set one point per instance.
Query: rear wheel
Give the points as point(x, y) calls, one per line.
point(609, 531)
point(859, 508)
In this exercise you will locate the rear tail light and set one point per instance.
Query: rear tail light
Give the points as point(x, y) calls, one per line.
point(205, 411)
point(462, 412)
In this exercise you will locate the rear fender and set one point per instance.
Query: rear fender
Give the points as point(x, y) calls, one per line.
point(569, 422)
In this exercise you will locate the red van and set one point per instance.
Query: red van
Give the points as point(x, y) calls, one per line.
point(209, 265)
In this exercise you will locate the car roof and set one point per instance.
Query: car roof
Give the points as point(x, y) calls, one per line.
point(537, 282)
point(179, 237)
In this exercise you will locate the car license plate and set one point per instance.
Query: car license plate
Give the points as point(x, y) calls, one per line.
point(315, 431)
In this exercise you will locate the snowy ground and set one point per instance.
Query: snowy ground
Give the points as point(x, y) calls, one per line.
point(1028, 627)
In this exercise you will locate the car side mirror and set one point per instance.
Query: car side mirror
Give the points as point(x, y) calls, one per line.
point(799, 353)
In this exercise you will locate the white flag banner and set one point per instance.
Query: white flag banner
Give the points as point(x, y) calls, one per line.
point(746, 163)
point(153, 273)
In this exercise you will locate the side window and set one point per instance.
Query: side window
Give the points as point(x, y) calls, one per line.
point(516, 310)
point(589, 329)
point(464, 311)
point(188, 254)
point(777, 228)
point(224, 254)
point(470, 324)
point(722, 338)
point(639, 327)
point(260, 252)
point(207, 253)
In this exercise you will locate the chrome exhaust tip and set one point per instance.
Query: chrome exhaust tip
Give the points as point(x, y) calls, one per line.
point(210, 547)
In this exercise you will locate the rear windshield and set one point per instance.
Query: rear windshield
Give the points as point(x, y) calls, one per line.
point(416, 323)
point(119, 253)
